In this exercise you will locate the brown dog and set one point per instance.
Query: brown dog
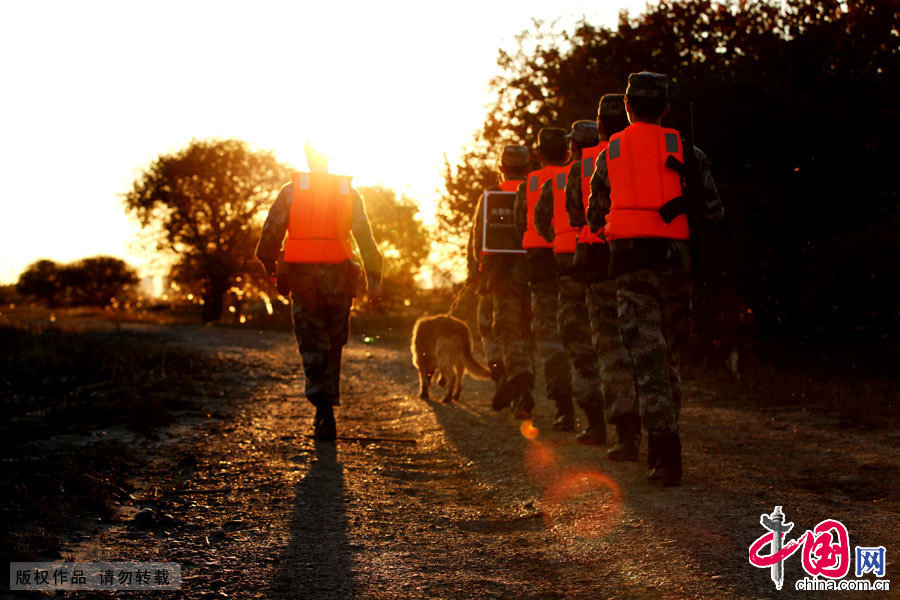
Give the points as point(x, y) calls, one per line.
point(444, 344)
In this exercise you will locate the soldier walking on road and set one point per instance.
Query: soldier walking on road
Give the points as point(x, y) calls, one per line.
point(552, 223)
point(637, 179)
point(319, 211)
point(543, 276)
point(503, 307)
point(592, 258)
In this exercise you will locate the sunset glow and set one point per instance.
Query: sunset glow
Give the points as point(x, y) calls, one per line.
point(95, 91)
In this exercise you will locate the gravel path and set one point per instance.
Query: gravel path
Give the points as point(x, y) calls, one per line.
point(452, 501)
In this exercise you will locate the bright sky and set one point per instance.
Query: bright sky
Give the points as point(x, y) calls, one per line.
point(92, 92)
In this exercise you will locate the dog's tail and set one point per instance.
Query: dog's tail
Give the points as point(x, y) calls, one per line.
point(475, 368)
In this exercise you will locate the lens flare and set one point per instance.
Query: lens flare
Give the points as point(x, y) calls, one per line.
point(582, 504)
point(541, 462)
point(529, 430)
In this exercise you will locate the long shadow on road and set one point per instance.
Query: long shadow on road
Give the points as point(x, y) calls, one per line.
point(317, 561)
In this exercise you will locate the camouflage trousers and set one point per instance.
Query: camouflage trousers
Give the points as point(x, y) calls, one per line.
point(545, 326)
point(493, 349)
point(510, 318)
point(571, 319)
point(322, 327)
point(654, 320)
point(616, 366)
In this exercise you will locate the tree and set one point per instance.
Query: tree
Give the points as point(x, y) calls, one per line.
point(205, 203)
point(791, 105)
point(400, 234)
point(97, 281)
point(41, 280)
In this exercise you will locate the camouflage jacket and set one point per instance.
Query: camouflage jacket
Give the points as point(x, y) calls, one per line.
point(543, 212)
point(327, 277)
point(574, 199)
point(677, 255)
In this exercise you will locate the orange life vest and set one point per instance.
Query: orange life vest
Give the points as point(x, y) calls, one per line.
point(565, 234)
point(640, 183)
point(588, 160)
point(510, 185)
point(533, 184)
point(321, 216)
point(507, 185)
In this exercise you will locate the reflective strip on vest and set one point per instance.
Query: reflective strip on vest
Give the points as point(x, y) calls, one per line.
point(640, 183)
point(535, 179)
point(321, 216)
point(565, 234)
point(588, 160)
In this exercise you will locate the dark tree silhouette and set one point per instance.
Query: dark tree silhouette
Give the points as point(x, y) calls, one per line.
point(206, 202)
point(98, 281)
point(41, 280)
point(95, 281)
point(794, 105)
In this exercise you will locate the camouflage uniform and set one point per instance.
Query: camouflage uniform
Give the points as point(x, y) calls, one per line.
point(653, 277)
point(572, 314)
point(543, 281)
point(503, 312)
point(321, 295)
point(616, 367)
point(493, 349)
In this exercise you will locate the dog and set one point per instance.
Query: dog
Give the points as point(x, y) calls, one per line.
point(443, 343)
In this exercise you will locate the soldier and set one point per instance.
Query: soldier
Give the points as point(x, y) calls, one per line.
point(634, 181)
point(319, 211)
point(543, 275)
point(503, 286)
point(552, 223)
point(592, 256)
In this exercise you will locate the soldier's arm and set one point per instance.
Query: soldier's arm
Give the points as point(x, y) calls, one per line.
point(475, 235)
point(362, 233)
point(713, 210)
point(574, 202)
point(272, 236)
point(520, 208)
point(598, 205)
point(543, 212)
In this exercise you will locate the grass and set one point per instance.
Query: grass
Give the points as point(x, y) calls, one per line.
point(854, 383)
point(54, 381)
point(70, 381)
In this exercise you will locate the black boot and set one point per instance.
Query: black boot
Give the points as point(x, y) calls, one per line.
point(564, 420)
point(595, 432)
point(523, 406)
point(628, 429)
point(511, 390)
point(665, 450)
point(324, 425)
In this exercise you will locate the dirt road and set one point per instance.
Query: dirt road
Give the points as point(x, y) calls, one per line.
point(452, 501)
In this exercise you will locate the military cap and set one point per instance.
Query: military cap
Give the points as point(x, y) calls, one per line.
point(647, 85)
point(514, 156)
point(552, 140)
point(611, 105)
point(584, 133)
